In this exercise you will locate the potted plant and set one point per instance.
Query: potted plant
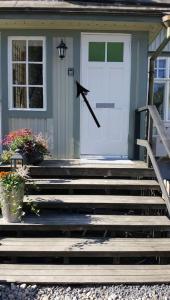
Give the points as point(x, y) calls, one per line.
point(32, 147)
point(12, 186)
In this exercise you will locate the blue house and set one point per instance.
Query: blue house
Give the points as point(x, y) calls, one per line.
point(105, 46)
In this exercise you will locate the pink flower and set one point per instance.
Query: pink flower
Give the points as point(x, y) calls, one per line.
point(9, 138)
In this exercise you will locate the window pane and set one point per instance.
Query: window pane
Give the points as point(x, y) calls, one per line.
point(161, 73)
point(35, 74)
point(159, 92)
point(19, 50)
point(35, 97)
point(162, 63)
point(155, 73)
point(19, 73)
point(35, 51)
point(19, 97)
point(97, 51)
point(115, 52)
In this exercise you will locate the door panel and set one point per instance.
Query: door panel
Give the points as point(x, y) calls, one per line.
point(106, 74)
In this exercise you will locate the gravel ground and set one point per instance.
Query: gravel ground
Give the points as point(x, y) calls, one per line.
point(109, 292)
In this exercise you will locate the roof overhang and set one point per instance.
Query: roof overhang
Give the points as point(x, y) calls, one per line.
point(108, 15)
point(90, 25)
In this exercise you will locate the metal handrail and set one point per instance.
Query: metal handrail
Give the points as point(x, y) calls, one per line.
point(159, 125)
point(153, 115)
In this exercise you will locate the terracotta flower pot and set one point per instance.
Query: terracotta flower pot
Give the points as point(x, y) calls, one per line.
point(11, 204)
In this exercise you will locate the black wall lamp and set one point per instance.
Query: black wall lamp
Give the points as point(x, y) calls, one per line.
point(62, 49)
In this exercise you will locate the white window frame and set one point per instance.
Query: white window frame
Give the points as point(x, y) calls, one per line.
point(10, 81)
point(166, 81)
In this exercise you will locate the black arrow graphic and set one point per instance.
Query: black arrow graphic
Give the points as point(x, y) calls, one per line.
point(83, 92)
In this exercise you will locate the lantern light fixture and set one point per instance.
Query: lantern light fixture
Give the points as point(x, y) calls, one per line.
point(62, 49)
point(16, 161)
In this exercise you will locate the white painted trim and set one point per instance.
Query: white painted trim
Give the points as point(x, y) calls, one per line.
point(10, 84)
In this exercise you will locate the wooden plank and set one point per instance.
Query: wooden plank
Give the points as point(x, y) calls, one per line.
point(84, 274)
point(54, 221)
point(88, 163)
point(83, 247)
point(97, 201)
point(54, 172)
point(94, 184)
point(92, 163)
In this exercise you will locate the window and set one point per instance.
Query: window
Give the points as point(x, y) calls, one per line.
point(106, 52)
point(27, 73)
point(162, 87)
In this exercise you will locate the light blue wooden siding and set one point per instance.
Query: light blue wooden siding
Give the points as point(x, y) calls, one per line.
point(155, 44)
point(63, 100)
point(138, 94)
point(59, 128)
point(61, 122)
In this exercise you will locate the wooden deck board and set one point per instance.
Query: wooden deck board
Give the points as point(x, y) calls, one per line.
point(54, 221)
point(94, 184)
point(111, 201)
point(89, 163)
point(88, 168)
point(83, 247)
point(84, 274)
point(93, 163)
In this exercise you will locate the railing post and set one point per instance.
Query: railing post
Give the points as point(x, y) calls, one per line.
point(149, 136)
point(137, 134)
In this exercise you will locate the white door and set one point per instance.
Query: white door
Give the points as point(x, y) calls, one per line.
point(105, 72)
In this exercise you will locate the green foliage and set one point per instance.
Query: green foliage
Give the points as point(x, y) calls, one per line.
point(19, 142)
point(6, 156)
point(13, 187)
point(11, 180)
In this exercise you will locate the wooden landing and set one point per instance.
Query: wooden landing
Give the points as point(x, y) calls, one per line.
point(84, 274)
point(94, 184)
point(83, 247)
point(70, 222)
point(96, 201)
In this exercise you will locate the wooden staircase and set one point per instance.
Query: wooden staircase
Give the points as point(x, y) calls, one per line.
point(98, 223)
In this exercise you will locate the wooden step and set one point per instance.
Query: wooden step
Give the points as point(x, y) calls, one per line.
point(95, 184)
point(96, 201)
point(90, 171)
point(84, 274)
point(70, 222)
point(88, 168)
point(83, 247)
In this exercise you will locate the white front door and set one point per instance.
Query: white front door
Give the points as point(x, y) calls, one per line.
point(105, 72)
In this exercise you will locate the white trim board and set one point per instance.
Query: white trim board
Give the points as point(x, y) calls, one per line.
point(10, 62)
